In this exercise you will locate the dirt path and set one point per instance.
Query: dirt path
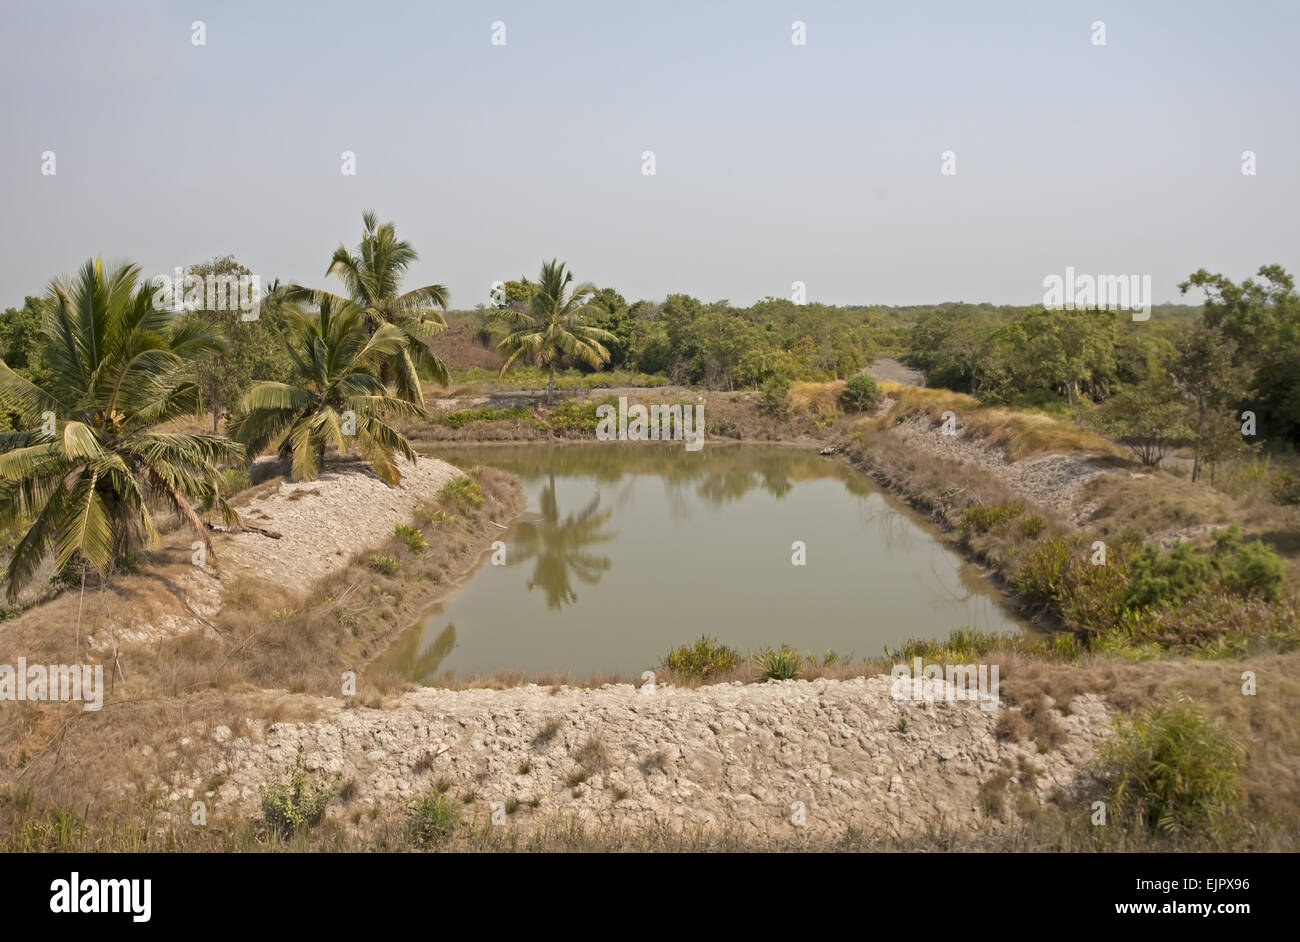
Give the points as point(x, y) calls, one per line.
point(887, 368)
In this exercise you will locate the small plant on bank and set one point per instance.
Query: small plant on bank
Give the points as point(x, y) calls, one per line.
point(547, 732)
point(298, 800)
point(592, 754)
point(781, 663)
point(703, 659)
point(412, 537)
point(386, 565)
point(463, 490)
point(994, 517)
point(433, 819)
point(1031, 527)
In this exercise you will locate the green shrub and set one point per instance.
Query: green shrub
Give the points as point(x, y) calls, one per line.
point(703, 659)
point(574, 417)
point(384, 564)
point(1248, 569)
point(464, 490)
point(1285, 487)
point(532, 377)
point(462, 417)
point(1173, 769)
point(860, 393)
point(412, 537)
point(1032, 527)
point(1167, 577)
point(298, 799)
point(1170, 577)
point(1038, 581)
point(995, 517)
point(775, 400)
point(234, 480)
point(433, 819)
point(781, 663)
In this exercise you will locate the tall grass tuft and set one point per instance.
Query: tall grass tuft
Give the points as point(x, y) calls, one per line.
point(703, 659)
point(1175, 770)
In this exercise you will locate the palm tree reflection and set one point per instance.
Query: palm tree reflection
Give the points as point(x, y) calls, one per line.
point(559, 548)
point(422, 666)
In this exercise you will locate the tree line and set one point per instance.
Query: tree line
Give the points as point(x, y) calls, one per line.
point(96, 379)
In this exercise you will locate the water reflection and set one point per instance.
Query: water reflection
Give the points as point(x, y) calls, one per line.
point(702, 543)
point(421, 665)
point(559, 548)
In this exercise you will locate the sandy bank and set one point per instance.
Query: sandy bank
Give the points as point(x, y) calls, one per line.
point(323, 522)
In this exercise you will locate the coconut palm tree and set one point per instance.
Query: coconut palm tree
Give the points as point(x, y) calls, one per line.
point(372, 277)
point(337, 397)
point(89, 467)
point(554, 325)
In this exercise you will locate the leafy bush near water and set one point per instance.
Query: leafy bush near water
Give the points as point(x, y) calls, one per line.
point(576, 416)
point(783, 663)
point(1138, 582)
point(1170, 577)
point(703, 659)
point(464, 490)
point(462, 417)
point(995, 517)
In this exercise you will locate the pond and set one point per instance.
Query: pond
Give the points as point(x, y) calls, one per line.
point(629, 549)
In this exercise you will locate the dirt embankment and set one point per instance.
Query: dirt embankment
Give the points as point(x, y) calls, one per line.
point(323, 522)
point(1054, 481)
point(726, 755)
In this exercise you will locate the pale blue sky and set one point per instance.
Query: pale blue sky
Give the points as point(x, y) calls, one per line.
point(775, 162)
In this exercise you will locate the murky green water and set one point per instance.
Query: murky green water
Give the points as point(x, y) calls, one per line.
point(627, 550)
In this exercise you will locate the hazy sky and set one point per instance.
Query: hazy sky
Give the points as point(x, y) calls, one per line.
point(775, 162)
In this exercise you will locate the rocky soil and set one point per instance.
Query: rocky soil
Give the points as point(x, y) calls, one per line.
point(729, 756)
point(1050, 480)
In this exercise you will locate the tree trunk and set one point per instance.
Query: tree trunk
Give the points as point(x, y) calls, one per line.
point(550, 384)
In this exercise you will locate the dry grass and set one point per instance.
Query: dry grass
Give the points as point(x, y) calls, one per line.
point(1018, 434)
point(817, 398)
point(1159, 503)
